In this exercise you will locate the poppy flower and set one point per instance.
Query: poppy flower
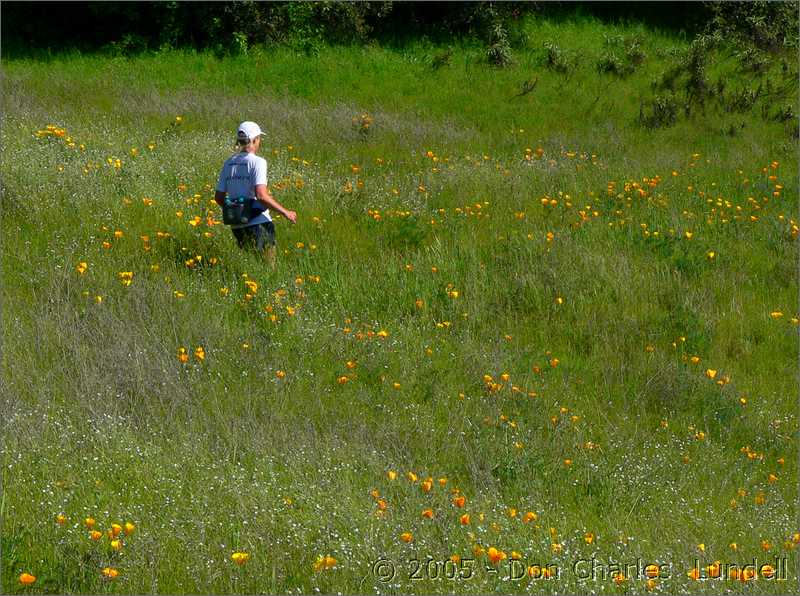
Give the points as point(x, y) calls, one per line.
point(26, 579)
point(324, 562)
point(529, 517)
point(495, 555)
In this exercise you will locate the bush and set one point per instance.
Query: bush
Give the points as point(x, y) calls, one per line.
point(442, 59)
point(499, 52)
point(611, 63)
point(129, 44)
point(770, 26)
point(558, 59)
point(661, 112)
point(690, 64)
point(634, 52)
point(753, 60)
point(785, 113)
point(630, 46)
point(741, 100)
point(239, 44)
point(694, 64)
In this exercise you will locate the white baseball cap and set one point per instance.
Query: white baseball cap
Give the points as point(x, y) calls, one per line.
point(248, 131)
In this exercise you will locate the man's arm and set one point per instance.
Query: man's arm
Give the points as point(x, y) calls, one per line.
point(219, 197)
point(262, 194)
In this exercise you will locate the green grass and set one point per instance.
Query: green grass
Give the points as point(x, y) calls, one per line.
point(101, 419)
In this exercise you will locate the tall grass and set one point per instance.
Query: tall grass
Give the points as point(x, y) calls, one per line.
point(529, 296)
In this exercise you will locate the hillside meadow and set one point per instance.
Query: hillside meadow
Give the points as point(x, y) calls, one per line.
point(531, 332)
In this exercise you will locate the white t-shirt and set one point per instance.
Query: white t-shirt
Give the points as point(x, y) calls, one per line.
point(239, 176)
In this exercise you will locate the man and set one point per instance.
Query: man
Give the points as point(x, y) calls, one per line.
point(244, 175)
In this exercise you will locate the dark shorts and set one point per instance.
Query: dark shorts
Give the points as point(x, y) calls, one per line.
point(259, 236)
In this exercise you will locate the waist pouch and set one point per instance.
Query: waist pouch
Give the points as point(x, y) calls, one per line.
point(238, 211)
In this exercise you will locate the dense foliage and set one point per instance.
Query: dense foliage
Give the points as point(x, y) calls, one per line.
point(234, 26)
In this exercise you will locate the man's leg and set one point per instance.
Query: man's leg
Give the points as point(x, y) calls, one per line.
point(268, 236)
point(240, 235)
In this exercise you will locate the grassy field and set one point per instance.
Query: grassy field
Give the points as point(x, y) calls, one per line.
point(509, 333)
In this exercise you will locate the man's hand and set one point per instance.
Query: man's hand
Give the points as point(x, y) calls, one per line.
point(263, 195)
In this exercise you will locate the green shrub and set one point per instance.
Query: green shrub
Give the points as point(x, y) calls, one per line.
point(623, 54)
point(661, 112)
point(611, 63)
point(128, 45)
point(635, 53)
point(753, 60)
point(442, 58)
point(558, 59)
point(770, 26)
point(785, 113)
point(499, 51)
point(239, 44)
point(740, 100)
point(694, 65)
